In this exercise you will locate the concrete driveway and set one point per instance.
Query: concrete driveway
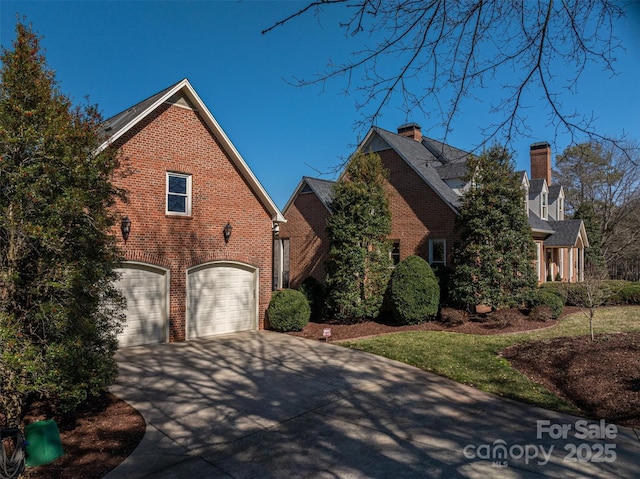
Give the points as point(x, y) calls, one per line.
point(262, 404)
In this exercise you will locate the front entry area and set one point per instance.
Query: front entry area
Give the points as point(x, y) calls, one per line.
point(221, 298)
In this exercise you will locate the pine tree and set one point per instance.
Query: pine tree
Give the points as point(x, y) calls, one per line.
point(59, 311)
point(359, 263)
point(494, 266)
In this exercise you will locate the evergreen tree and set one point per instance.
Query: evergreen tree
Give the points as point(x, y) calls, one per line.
point(359, 263)
point(495, 264)
point(59, 311)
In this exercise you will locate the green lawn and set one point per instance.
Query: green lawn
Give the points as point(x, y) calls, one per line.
point(475, 360)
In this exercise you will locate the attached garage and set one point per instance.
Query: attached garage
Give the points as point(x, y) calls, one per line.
point(221, 298)
point(146, 290)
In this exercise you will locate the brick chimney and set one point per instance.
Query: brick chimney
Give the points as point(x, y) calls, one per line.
point(540, 154)
point(411, 130)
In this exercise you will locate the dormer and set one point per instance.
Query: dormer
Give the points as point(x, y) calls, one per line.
point(556, 202)
point(539, 198)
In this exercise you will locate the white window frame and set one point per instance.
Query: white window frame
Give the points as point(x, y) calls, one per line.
point(544, 205)
point(432, 242)
point(186, 195)
point(560, 215)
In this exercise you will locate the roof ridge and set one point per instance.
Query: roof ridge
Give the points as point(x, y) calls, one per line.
point(157, 94)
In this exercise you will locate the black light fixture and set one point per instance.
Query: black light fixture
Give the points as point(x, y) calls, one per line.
point(227, 232)
point(125, 227)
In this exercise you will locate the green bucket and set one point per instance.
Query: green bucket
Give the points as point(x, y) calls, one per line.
point(43, 443)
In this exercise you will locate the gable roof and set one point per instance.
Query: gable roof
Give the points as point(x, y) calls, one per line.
point(118, 125)
point(537, 186)
point(424, 162)
point(566, 233)
point(323, 189)
point(554, 192)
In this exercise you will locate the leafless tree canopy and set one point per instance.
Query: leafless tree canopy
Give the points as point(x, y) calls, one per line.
point(607, 178)
point(431, 55)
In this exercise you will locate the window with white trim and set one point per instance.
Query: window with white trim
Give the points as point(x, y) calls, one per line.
point(178, 194)
point(560, 215)
point(544, 205)
point(438, 251)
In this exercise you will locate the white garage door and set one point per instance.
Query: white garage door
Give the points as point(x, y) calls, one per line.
point(221, 298)
point(145, 289)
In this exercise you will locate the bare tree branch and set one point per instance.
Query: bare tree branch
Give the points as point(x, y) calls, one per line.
point(432, 55)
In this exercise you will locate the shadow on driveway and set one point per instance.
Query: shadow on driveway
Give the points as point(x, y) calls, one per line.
point(263, 404)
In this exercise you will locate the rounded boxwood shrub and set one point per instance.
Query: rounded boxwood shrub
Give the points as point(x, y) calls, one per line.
point(555, 302)
point(559, 289)
point(415, 292)
point(288, 310)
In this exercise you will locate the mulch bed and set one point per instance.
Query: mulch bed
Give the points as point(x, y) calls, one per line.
point(96, 438)
point(498, 322)
point(601, 377)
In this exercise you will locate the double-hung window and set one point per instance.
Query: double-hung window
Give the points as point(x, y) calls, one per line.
point(178, 194)
point(544, 205)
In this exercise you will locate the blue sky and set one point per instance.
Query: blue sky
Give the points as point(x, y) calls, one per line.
point(120, 52)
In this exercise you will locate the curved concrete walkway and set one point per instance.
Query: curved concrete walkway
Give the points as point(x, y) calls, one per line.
point(262, 405)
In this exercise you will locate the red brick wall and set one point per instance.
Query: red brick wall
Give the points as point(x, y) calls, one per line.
point(308, 241)
point(176, 139)
point(417, 215)
point(417, 212)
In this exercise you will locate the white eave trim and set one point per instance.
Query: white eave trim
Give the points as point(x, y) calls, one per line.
point(218, 132)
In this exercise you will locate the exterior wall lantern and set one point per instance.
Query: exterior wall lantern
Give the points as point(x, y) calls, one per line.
point(125, 228)
point(227, 232)
point(276, 229)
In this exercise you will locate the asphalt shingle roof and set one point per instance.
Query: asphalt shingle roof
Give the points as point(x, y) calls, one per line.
point(436, 162)
point(322, 188)
point(539, 225)
point(554, 192)
point(566, 233)
point(424, 162)
point(536, 185)
point(122, 119)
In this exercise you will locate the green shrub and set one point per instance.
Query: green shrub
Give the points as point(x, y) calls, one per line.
point(559, 289)
point(628, 293)
point(545, 297)
point(288, 310)
point(415, 293)
point(313, 290)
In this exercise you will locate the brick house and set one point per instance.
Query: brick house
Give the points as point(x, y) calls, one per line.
point(199, 251)
point(425, 185)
